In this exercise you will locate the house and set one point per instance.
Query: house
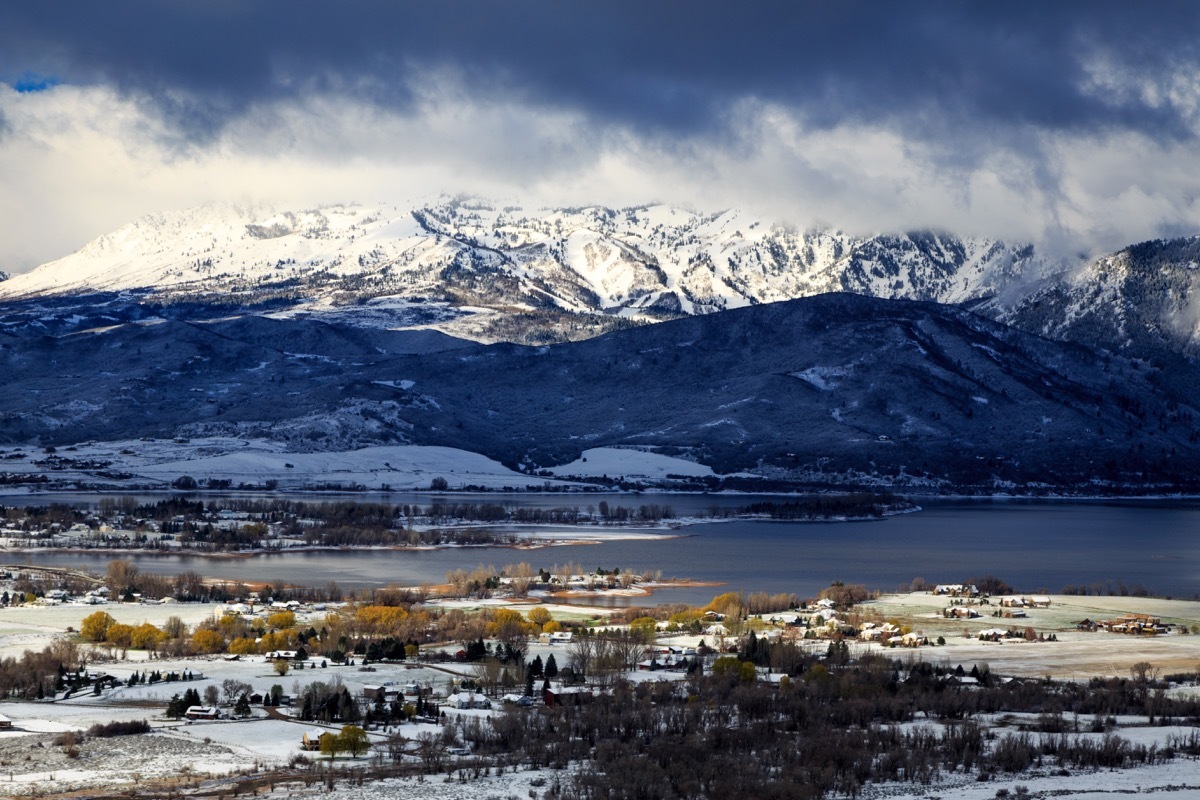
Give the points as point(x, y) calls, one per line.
point(671, 661)
point(1038, 601)
point(992, 634)
point(1136, 624)
point(567, 696)
point(877, 632)
point(5, 722)
point(201, 712)
point(105, 681)
point(1012, 602)
point(960, 612)
point(956, 590)
point(375, 694)
point(522, 700)
point(463, 700)
point(870, 632)
point(558, 637)
point(237, 609)
point(311, 740)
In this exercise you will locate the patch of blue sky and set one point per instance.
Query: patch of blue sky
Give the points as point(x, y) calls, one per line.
point(31, 82)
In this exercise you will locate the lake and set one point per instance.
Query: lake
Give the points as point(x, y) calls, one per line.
point(1033, 545)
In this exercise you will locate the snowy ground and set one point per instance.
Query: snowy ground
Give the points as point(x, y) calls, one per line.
point(158, 462)
point(250, 461)
point(630, 464)
point(1076, 654)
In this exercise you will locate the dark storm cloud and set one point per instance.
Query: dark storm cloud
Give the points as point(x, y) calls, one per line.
point(929, 70)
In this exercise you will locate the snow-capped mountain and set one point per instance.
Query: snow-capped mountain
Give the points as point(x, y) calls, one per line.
point(345, 327)
point(1141, 300)
point(594, 263)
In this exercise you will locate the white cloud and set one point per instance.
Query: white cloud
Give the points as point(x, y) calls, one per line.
point(78, 162)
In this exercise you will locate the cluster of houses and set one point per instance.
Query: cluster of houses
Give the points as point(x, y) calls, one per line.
point(669, 657)
point(891, 635)
point(956, 590)
point(557, 637)
point(388, 693)
point(1129, 624)
point(252, 607)
point(58, 597)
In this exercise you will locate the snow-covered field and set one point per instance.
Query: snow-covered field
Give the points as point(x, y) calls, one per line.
point(157, 463)
point(253, 461)
point(1076, 654)
point(631, 464)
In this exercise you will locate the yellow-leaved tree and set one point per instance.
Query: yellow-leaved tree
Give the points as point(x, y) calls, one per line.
point(119, 634)
point(281, 620)
point(207, 641)
point(95, 626)
point(147, 636)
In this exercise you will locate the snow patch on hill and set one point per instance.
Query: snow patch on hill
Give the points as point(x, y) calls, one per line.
point(629, 464)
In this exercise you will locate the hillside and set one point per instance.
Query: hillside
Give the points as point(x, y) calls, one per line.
point(832, 390)
point(1142, 300)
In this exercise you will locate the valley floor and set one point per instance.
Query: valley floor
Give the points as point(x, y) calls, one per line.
point(220, 754)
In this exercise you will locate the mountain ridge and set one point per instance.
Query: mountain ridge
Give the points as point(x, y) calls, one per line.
point(828, 391)
point(603, 268)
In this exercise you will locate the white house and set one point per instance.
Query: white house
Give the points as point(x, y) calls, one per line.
point(468, 700)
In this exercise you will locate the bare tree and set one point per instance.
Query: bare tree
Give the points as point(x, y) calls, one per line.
point(122, 575)
point(432, 751)
point(522, 577)
point(1144, 672)
point(581, 654)
point(397, 744)
point(625, 649)
point(233, 689)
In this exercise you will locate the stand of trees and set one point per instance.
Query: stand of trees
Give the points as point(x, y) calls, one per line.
point(831, 729)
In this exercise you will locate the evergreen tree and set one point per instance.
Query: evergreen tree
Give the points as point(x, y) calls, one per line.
point(551, 669)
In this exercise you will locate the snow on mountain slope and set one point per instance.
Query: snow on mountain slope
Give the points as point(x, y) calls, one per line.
point(644, 262)
point(1144, 299)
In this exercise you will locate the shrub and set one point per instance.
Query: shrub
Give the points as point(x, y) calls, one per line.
point(110, 729)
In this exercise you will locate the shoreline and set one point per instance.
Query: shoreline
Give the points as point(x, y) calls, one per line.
point(644, 590)
point(26, 491)
point(223, 555)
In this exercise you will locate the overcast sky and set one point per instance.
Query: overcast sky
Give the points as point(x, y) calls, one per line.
point(1074, 125)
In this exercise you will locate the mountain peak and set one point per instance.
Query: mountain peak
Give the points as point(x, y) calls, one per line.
point(611, 265)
